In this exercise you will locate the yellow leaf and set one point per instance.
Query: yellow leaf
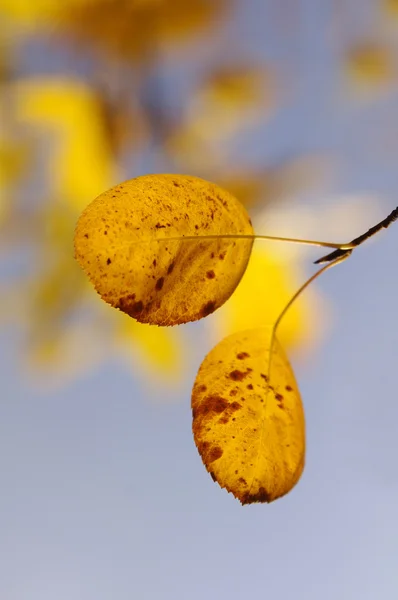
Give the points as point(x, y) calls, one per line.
point(250, 432)
point(175, 281)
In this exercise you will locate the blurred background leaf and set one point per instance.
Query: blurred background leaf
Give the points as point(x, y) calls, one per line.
point(97, 91)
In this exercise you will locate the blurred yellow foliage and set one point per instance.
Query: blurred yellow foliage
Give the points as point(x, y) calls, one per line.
point(157, 349)
point(129, 29)
point(370, 65)
point(13, 158)
point(266, 287)
point(33, 13)
point(133, 29)
point(390, 7)
point(233, 98)
point(64, 113)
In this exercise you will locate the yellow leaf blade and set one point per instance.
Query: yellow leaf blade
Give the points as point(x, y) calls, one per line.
point(174, 281)
point(249, 432)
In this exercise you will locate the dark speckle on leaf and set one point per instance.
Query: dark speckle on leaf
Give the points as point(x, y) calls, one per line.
point(208, 308)
point(215, 453)
point(237, 375)
point(261, 496)
point(159, 283)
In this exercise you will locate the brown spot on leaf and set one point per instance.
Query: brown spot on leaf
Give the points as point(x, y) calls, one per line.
point(223, 420)
point(86, 236)
point(210, 275)
point(211, 255)
point(261, 496)
point(242, 355)
point(237, 375)
point(214, 454)
point(233, 392)
point(235, 406)
point(203, 447)
point(250, 386)
point(222, 255)
point(216, 404)
point(154, 262)
point(242, 480)
point(125, 302)
point(264, 376)
point(159, 284)
point(132, 309)
point(159, 226)
point(170, 269)
point(202, 388)
point(212, 476)
point(279, 397)
point(108, 261)
point(176, 184)
point(208, 308)
point(288, 388)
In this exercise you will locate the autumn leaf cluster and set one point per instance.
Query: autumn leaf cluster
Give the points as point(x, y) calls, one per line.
point(169, 249)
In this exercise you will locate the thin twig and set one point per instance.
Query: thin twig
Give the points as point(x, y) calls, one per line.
point(393, 216)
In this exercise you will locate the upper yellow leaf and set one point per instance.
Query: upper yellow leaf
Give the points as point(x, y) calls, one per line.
point(250, 431)
point(130, 243)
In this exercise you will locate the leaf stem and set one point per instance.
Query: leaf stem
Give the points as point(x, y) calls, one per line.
point(301, 289)
point(240, 236)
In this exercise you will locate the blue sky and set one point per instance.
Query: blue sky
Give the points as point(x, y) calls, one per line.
point(103, 494)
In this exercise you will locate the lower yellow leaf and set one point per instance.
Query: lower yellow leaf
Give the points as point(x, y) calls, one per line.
point(248, 420)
